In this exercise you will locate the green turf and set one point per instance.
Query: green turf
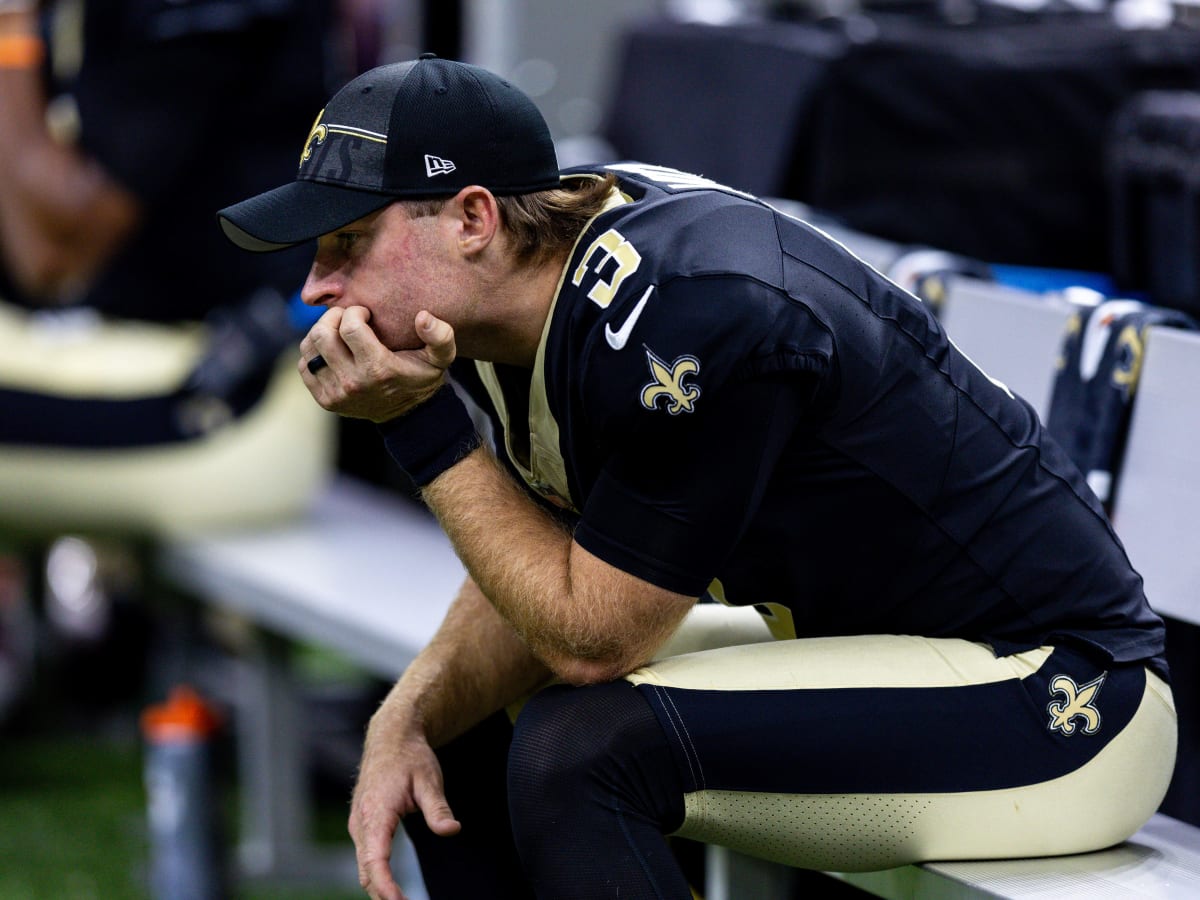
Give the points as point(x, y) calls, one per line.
point(72, 823)
point(70, 820)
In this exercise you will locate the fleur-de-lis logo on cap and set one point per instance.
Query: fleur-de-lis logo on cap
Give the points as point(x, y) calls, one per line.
point(1077, 703)
point(316, 135)
point(668, 384)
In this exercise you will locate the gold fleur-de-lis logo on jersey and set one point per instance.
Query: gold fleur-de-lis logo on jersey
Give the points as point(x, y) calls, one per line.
point(668, 384)
point(316, 135)
point(1077, 703)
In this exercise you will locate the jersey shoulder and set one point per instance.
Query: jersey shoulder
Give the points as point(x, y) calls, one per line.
point(672, 294)
point(685, 225)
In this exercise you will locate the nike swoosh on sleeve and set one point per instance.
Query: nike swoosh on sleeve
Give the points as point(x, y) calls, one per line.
point(617, 339)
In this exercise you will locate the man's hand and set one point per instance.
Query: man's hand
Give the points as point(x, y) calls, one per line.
point(474, 666)
point(397, 778)
point(361, 377)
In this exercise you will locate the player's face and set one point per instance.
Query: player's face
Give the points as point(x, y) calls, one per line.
point(392, 265)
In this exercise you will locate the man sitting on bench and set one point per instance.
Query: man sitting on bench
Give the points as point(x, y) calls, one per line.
point(701, 399)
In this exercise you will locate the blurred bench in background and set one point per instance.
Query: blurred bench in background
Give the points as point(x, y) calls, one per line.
point(364, 573)
point(1157, 511)
point(1009, 333)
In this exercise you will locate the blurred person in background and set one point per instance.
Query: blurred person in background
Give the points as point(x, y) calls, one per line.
point(140, 387)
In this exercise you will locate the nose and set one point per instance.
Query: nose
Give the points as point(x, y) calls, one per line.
point(320, 287)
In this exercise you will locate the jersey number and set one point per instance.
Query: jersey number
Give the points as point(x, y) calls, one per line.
point(610, 246)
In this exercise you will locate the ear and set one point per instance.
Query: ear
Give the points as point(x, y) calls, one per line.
point(478, 217)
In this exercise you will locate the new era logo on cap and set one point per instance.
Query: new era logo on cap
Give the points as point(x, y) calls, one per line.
point(435, 165)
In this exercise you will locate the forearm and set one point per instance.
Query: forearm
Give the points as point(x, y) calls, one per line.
point(585, 620)
point(474, 665)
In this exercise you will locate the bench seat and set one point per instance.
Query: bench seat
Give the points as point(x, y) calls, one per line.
point(1160, 861)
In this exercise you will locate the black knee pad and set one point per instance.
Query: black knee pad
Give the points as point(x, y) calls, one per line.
point(591, 749)
point(592, 790)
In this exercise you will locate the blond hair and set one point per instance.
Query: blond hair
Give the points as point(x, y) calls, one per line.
point(542, 225)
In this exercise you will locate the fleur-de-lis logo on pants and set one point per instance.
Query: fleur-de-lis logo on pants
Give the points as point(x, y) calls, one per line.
point(1077, 703)
point(668, 384)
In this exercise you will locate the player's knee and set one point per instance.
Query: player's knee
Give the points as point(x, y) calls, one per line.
point(569, 748)
point(555, 744)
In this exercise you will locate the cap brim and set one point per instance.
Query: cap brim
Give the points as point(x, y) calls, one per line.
point(295, 213)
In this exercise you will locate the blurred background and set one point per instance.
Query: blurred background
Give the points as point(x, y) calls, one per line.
point(1029, 142)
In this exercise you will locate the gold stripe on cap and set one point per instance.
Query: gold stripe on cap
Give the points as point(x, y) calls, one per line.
point(358, 132)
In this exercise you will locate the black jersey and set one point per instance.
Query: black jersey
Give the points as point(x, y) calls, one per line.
point(733, 402)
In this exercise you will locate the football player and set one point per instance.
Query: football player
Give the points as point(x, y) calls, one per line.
point(698, 398)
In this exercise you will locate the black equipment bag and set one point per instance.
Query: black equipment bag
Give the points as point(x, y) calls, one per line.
point(987, 140)
point(984, 139)
point(1154, 172)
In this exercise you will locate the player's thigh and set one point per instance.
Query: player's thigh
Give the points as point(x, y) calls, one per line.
point(869, 752)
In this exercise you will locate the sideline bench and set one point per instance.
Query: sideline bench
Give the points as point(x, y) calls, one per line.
point(370, 575)
point(363, 573)
point(1009, 333)
point(1157, 504)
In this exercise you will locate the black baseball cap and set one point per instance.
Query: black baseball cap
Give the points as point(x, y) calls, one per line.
point(423, 128)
